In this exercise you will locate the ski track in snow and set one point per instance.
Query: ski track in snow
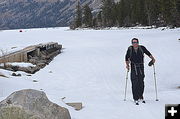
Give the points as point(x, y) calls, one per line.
point(91, 70)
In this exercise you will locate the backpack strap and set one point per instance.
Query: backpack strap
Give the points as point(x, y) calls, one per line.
point(131, 48)
point(130, 51)
point(140, 48)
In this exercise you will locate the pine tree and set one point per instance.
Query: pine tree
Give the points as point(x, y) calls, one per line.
point(121, 12)
point(169, 11)
point(87, 16)
point(138, 15)
point(78, 17)
point(142, 14)
point(127, 13)
point(114, 13)
point(178, 6)
point(99, 19)
point(107, 16)
point(94, 22)
point(178, 13)
point(152, 11)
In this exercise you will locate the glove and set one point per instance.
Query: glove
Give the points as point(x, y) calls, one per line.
point(150, 63)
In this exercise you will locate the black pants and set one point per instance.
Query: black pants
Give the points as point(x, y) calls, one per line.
point(137, 79)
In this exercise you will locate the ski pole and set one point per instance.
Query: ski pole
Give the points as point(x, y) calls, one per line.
point(126, 85)
point(155, 82)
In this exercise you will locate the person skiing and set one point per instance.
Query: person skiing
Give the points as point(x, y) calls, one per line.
point(134, 59)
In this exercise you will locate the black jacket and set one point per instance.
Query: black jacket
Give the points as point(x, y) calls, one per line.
point(136, 57)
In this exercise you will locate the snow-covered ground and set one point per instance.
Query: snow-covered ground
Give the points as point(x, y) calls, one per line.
point(91, 70)
point(20, 64)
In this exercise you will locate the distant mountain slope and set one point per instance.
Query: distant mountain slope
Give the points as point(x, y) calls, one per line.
point(39, 13)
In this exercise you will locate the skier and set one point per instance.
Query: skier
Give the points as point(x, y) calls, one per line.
point(135, 58)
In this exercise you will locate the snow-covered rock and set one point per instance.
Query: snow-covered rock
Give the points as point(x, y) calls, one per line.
point(31, 104)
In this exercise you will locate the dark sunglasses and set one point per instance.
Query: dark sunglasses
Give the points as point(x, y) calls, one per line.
point(134, 42)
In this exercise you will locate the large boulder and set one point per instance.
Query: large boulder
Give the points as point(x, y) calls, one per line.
point(31, 104)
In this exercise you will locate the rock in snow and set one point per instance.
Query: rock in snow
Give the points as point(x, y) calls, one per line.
point(31, 104)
